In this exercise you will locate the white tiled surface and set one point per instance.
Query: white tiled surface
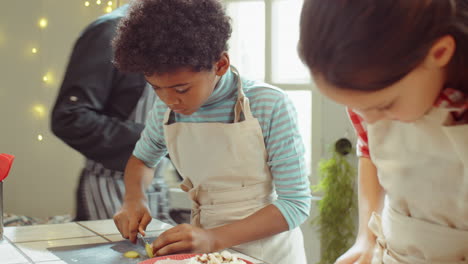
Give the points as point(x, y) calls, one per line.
point(107, 227)
point(10, 255)
point(33, 241)
point(37, 251)
point(52, 262)
point(46, 232)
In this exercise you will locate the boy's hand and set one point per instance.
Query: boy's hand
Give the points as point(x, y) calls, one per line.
point(133, 217)
point(185, 238)
point(360, 253)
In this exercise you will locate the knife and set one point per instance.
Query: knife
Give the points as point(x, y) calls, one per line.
point(142, 240)
point(148, 247)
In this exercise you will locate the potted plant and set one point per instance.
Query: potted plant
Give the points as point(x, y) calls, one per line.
point(337, 209)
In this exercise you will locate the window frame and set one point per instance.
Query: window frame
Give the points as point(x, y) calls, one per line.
point(317, 101)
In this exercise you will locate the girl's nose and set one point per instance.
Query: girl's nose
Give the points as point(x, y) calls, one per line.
point(372, 116)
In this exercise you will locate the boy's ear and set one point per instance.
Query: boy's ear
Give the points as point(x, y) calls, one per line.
point(441, 52)
point(222, 65)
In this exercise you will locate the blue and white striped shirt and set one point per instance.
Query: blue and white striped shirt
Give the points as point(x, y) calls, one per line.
point(278, 120)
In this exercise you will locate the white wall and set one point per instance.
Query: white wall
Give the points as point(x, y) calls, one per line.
point(44, 174)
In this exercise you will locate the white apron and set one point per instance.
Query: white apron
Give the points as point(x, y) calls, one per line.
point(226, 174)
point(423, 168)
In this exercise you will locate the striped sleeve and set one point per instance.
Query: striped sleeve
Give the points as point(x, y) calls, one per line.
point(151, 147)
point(287, 162)
point(359, 125)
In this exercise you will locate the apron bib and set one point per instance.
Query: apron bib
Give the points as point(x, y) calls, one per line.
point(227, 177)
point(423, 168)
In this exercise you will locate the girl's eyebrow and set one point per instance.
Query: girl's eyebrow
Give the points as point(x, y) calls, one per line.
point(378, 107)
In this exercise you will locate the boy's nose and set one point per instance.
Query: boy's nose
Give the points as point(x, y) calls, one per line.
point(169, 98)
point(172, 101)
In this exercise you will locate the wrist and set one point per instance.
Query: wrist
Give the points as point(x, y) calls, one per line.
point(135, 197)
point(218, 242)
point(366, 237)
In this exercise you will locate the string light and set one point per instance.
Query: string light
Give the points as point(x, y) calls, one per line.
point(47, 78)
point(43, 23)
point(39, 110)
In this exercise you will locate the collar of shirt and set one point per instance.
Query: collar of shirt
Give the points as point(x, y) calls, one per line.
point(225, 88)
point(455, 99)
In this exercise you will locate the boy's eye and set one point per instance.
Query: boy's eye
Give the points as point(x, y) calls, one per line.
point(182, 91)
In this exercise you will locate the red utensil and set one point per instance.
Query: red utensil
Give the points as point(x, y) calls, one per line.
point(5, 165)
point(177, 257)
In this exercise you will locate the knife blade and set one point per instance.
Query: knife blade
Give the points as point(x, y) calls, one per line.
point(142, 240)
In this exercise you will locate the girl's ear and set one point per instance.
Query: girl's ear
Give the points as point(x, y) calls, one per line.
point(441, 52)
point(222, 65)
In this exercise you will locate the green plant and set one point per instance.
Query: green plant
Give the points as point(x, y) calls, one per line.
point(337, 208)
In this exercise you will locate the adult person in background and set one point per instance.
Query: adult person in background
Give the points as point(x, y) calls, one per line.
point(100, 112)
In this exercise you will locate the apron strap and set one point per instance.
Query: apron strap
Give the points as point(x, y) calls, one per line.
point(167, 115)
point(242, 104)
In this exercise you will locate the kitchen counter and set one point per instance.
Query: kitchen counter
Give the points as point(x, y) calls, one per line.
point(29, 244)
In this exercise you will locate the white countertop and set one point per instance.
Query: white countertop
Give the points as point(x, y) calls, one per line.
point(28, 244)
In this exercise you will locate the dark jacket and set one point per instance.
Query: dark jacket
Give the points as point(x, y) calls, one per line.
point(95, 99)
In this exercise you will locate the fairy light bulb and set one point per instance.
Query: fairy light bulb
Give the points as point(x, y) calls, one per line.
point(34, 50)
point(47, 78)
point(108, 9)
point(98, 2)
point(43, 23)
point(109, 3)
point(40, 137)
point(86, 3)
point(39, 110)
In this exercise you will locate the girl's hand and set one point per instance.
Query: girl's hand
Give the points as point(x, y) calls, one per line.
point(360, 253)
point(184, 238)
point(133, 217)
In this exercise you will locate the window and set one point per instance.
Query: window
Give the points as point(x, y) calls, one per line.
point(263, 46)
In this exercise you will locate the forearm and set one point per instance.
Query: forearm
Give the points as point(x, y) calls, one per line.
point(264, 223)
point(98, 137)
point(370, 196)
point(137, 179)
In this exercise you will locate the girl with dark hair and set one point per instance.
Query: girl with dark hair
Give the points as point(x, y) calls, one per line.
point(401, 68)
point(235, 142)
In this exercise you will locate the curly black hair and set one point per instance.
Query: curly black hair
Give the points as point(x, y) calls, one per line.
point(160, 36)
